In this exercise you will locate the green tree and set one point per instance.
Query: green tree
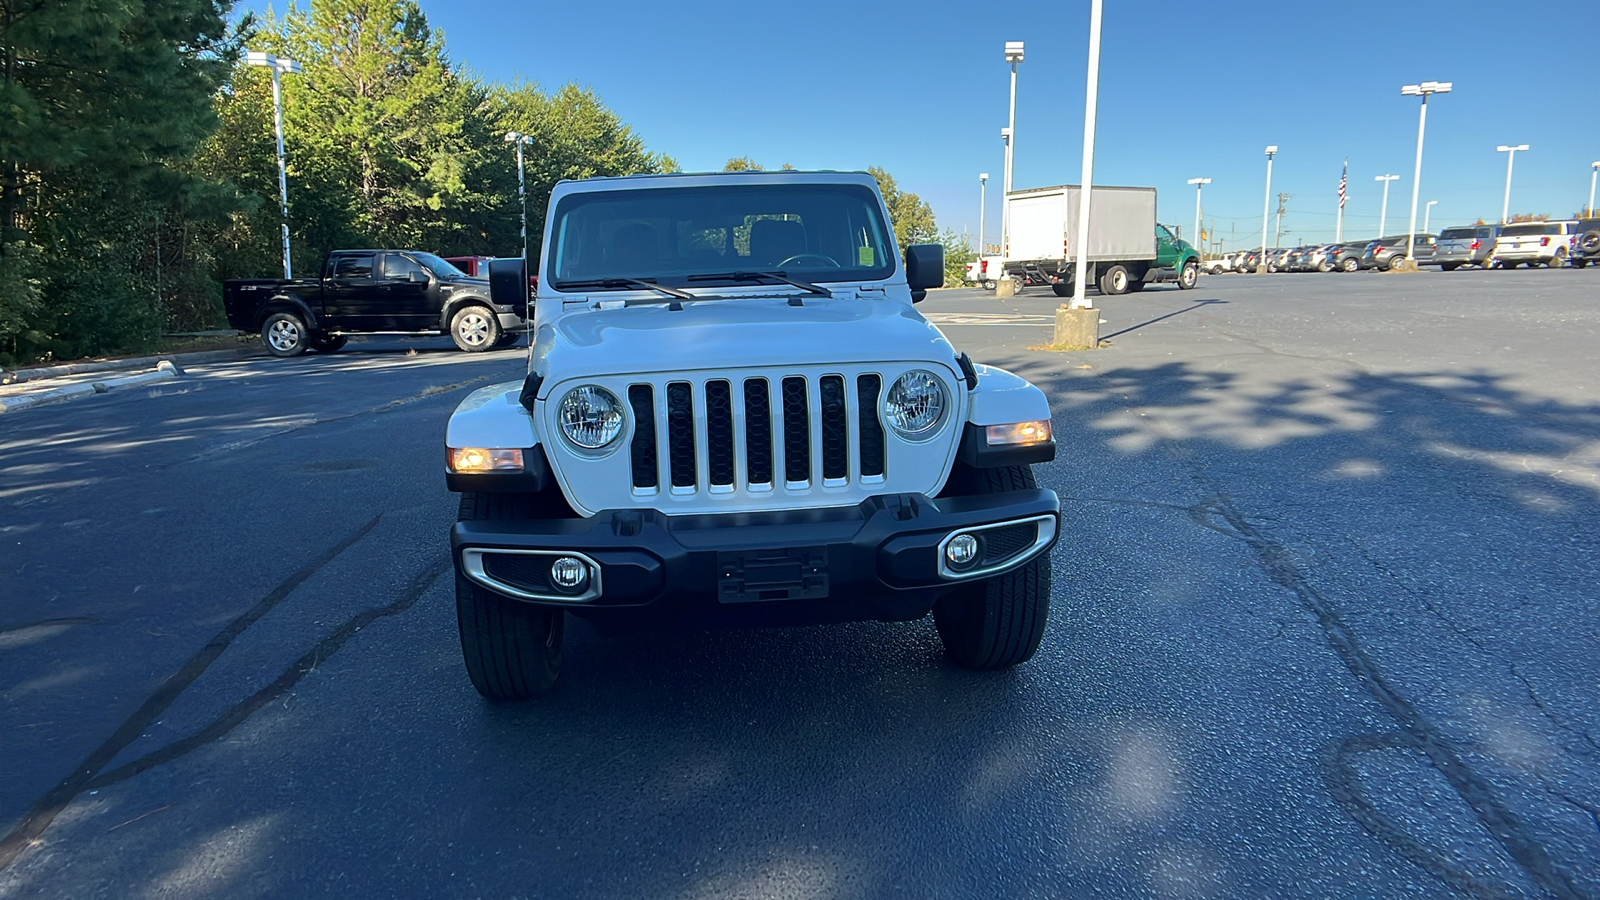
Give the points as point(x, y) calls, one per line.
point(958, 254)
point(742, 164)
point(911, 217)
point(104, 102)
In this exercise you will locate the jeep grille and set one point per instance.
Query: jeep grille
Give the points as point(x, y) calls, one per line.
point(811, 415)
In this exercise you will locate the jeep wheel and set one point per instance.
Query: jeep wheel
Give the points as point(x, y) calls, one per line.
point(512, 649)
point(1350, 264)
point(1114, 281)
point(474, 329)
point(1189, 276)
point(999, 621)
point(1580, 263)
point(1590, 242)
point(329, 343)
point(285, 334)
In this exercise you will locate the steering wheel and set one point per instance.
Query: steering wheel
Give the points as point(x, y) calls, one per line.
point(817, 256)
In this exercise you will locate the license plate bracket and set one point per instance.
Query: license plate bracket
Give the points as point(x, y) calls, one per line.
point(784, 573)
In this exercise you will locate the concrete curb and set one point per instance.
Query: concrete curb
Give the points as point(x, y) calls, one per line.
point(19, 376)
point(165, 371)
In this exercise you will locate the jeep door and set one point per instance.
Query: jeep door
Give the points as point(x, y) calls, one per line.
point(350, 297)
point(410, 301)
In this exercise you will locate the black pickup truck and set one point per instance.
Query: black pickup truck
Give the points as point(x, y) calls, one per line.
point(372, 292)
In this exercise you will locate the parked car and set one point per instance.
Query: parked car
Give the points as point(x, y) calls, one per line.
point(1387, 252)
point(1585, 243)
point(1216, 265)
point(1535, 243)
point(372, 292)
point(983, 271)
point(1347, 257)
point(760, 431)
point(1465, 245)
point(1294, 260)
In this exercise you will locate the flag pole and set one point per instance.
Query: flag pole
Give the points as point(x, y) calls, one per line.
point(1338, 228)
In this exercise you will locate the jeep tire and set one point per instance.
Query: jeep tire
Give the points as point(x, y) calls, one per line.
point(285, 334)
point(512, 649)
point(999, 621)
point(475, 328)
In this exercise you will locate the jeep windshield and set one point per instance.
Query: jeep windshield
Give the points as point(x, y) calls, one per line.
point(728, 234)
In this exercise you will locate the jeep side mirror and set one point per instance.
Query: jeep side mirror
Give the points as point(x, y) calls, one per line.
point(508, 283)
point(924, 269)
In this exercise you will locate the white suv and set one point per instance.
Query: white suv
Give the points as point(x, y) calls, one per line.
point(733, 413)
point(1534, 243)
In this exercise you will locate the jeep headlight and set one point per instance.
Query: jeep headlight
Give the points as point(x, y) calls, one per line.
point(916, 404)
point(590, 417)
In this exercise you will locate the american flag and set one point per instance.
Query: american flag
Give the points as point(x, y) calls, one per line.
point(1343, 177)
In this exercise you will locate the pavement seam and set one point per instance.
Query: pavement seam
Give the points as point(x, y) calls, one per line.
point(34, 823)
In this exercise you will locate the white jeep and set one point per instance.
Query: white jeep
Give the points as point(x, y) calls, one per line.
point(734, 414)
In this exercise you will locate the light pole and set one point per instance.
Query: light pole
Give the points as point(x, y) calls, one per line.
point(1266, 211)
point(1009, 133)
point(1198, 183)
point(521, 140)
point(983, 201)
point(1090, 321)
point(1511, 154)
point(1595, 170)
point(279, 66)
point(1423, 90)
point(1427, 216)
point(1383, 217)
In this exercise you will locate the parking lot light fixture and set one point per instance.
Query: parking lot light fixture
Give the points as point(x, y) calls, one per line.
point(1199, 184)
point(1427, 216)
point(521, 140)
point(983, 201)
point(279, 66)
point(1424, 90)
point(1009, 133)
point(1511, 154)
point(1383, 217)
point(1266, 211)
point(1594, 168)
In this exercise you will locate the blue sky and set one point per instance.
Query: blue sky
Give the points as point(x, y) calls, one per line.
point(1186, 90)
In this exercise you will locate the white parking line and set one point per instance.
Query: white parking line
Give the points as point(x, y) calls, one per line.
point(989, 319)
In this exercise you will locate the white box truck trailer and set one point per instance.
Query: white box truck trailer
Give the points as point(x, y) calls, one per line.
point(1128, 249)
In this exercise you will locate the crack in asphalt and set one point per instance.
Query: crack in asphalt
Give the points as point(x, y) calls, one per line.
point(56, 799)
point(1416, 733)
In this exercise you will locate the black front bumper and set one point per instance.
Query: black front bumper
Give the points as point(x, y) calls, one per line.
point(879, 560)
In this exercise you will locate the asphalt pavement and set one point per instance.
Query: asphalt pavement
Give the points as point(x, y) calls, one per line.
point(1324, 625)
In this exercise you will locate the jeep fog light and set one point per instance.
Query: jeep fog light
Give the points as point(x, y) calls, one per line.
point(483, 459)
point(568, 574)
point(590, 417)
point(915, 404)
point(961, 551)
point(1019, 434)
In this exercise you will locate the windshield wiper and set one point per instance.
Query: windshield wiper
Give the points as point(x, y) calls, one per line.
point(753, 276)
point(629, 282)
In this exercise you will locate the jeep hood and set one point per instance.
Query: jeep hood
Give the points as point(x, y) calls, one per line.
point(746, 332)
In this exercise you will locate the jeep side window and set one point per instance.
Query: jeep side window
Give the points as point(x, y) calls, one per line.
point(351, 267)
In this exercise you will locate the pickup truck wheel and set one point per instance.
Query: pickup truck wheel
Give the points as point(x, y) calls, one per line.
point(998, 622)
point(512, 650)
point(1114, 281)
point(284, 334)
point(474, 329)
point(329, 344)
point(989, 285)
point(1189, 276)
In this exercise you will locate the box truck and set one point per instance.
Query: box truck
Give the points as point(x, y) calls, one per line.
point(1128, 249)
